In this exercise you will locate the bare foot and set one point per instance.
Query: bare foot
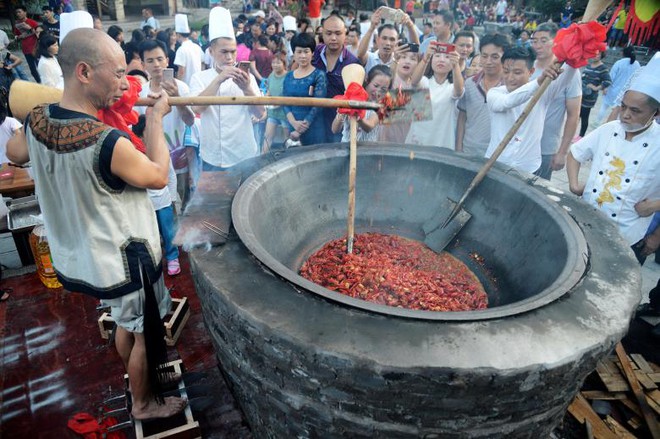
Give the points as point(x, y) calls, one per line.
point(172, 406)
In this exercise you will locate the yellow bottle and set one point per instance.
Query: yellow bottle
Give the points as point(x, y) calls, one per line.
point(41, 253)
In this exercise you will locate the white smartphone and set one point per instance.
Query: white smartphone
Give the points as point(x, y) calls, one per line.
point(391, 14)
point(168, 75)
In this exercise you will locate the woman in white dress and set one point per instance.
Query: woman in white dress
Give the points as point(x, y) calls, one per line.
point(446, 87)
point(48, 68)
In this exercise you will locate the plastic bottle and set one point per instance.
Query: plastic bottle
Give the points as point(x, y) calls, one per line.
point(42, 258)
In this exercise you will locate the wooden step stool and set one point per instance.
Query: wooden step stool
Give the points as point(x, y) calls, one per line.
point(174, 321)
point(181, 426)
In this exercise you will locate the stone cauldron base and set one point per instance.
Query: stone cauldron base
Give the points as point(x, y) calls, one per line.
point(301, 365)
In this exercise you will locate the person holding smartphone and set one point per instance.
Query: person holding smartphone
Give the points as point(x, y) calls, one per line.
point(223, 142)
point(386, 41)
point(442, 65)
point(155, 61)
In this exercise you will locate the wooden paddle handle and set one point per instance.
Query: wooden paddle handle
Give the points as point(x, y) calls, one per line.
point(262, 100)
point(352, 171)
point(25, 95)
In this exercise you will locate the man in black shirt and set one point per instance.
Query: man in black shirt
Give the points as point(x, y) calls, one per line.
point(50, 25)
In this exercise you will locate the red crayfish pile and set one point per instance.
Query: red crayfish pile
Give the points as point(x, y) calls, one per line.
point(395, 271)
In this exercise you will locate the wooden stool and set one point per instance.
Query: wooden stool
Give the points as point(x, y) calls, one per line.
point(174, 321)
point(180, 426)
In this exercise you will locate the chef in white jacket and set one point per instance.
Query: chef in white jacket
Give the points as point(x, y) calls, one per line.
point(624, 180)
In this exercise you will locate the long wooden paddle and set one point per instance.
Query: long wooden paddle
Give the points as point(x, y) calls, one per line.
point(24, 96)
point(352, 73)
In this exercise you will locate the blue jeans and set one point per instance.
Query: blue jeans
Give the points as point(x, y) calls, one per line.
point(167, 229)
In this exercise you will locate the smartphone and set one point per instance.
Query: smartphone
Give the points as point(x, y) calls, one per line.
point(168, 75)
point(245, 66)
point(444, 48)
point(390, 14)
point(413, 47)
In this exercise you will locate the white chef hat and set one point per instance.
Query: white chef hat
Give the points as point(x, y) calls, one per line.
point(181, 24)
point(74, 20)
point(647, 82)
point(220, 24)
point(289, 23)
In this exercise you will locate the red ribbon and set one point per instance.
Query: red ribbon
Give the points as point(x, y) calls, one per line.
point(578, 43)
point(354, 92)
point(121, 115)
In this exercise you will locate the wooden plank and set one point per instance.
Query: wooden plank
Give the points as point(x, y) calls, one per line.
point(582, 411)
point(629, 403)
point(641, 371)
point(649, 416)
point(655, 376)
point(635, 423)
point(607, 366)
point(189, 430)
point(645, 381)
point(619, 429)
point(615, 383)
point(654, 406)
point(611, 376)
point(654, 395)
point(644, 366)
point(601, 395)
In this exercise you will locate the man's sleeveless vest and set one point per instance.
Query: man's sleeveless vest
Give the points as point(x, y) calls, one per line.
point(100, 230)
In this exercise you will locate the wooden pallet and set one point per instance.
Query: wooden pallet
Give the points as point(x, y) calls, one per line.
point(639, 400)
point(181, 426)
point(174, 321)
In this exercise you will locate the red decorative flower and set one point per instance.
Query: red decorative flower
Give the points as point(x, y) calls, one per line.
point(354, 92)
point(579, 42)
point(121, 114)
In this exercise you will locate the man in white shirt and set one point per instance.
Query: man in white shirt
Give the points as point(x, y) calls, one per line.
point(7, 127)
point(224, 140)
point(149, 19)
point(500, 11)
point(154, 59)
point(188, 57)
point(563, 114)
point(387, 41)
point(4, 40)
point(624, 182)
point(353, 40)
point(507, 102)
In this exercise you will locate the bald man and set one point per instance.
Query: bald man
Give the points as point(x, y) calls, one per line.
point(332, 57)
point(91, 183)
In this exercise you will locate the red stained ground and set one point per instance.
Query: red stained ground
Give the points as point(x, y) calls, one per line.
point(54, 363)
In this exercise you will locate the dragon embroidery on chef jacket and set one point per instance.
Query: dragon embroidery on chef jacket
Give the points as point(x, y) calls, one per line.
point(614, 181)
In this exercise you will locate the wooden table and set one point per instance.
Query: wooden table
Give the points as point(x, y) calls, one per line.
point(21, 185)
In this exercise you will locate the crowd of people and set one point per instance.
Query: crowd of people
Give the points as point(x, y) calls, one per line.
point(477, 85)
